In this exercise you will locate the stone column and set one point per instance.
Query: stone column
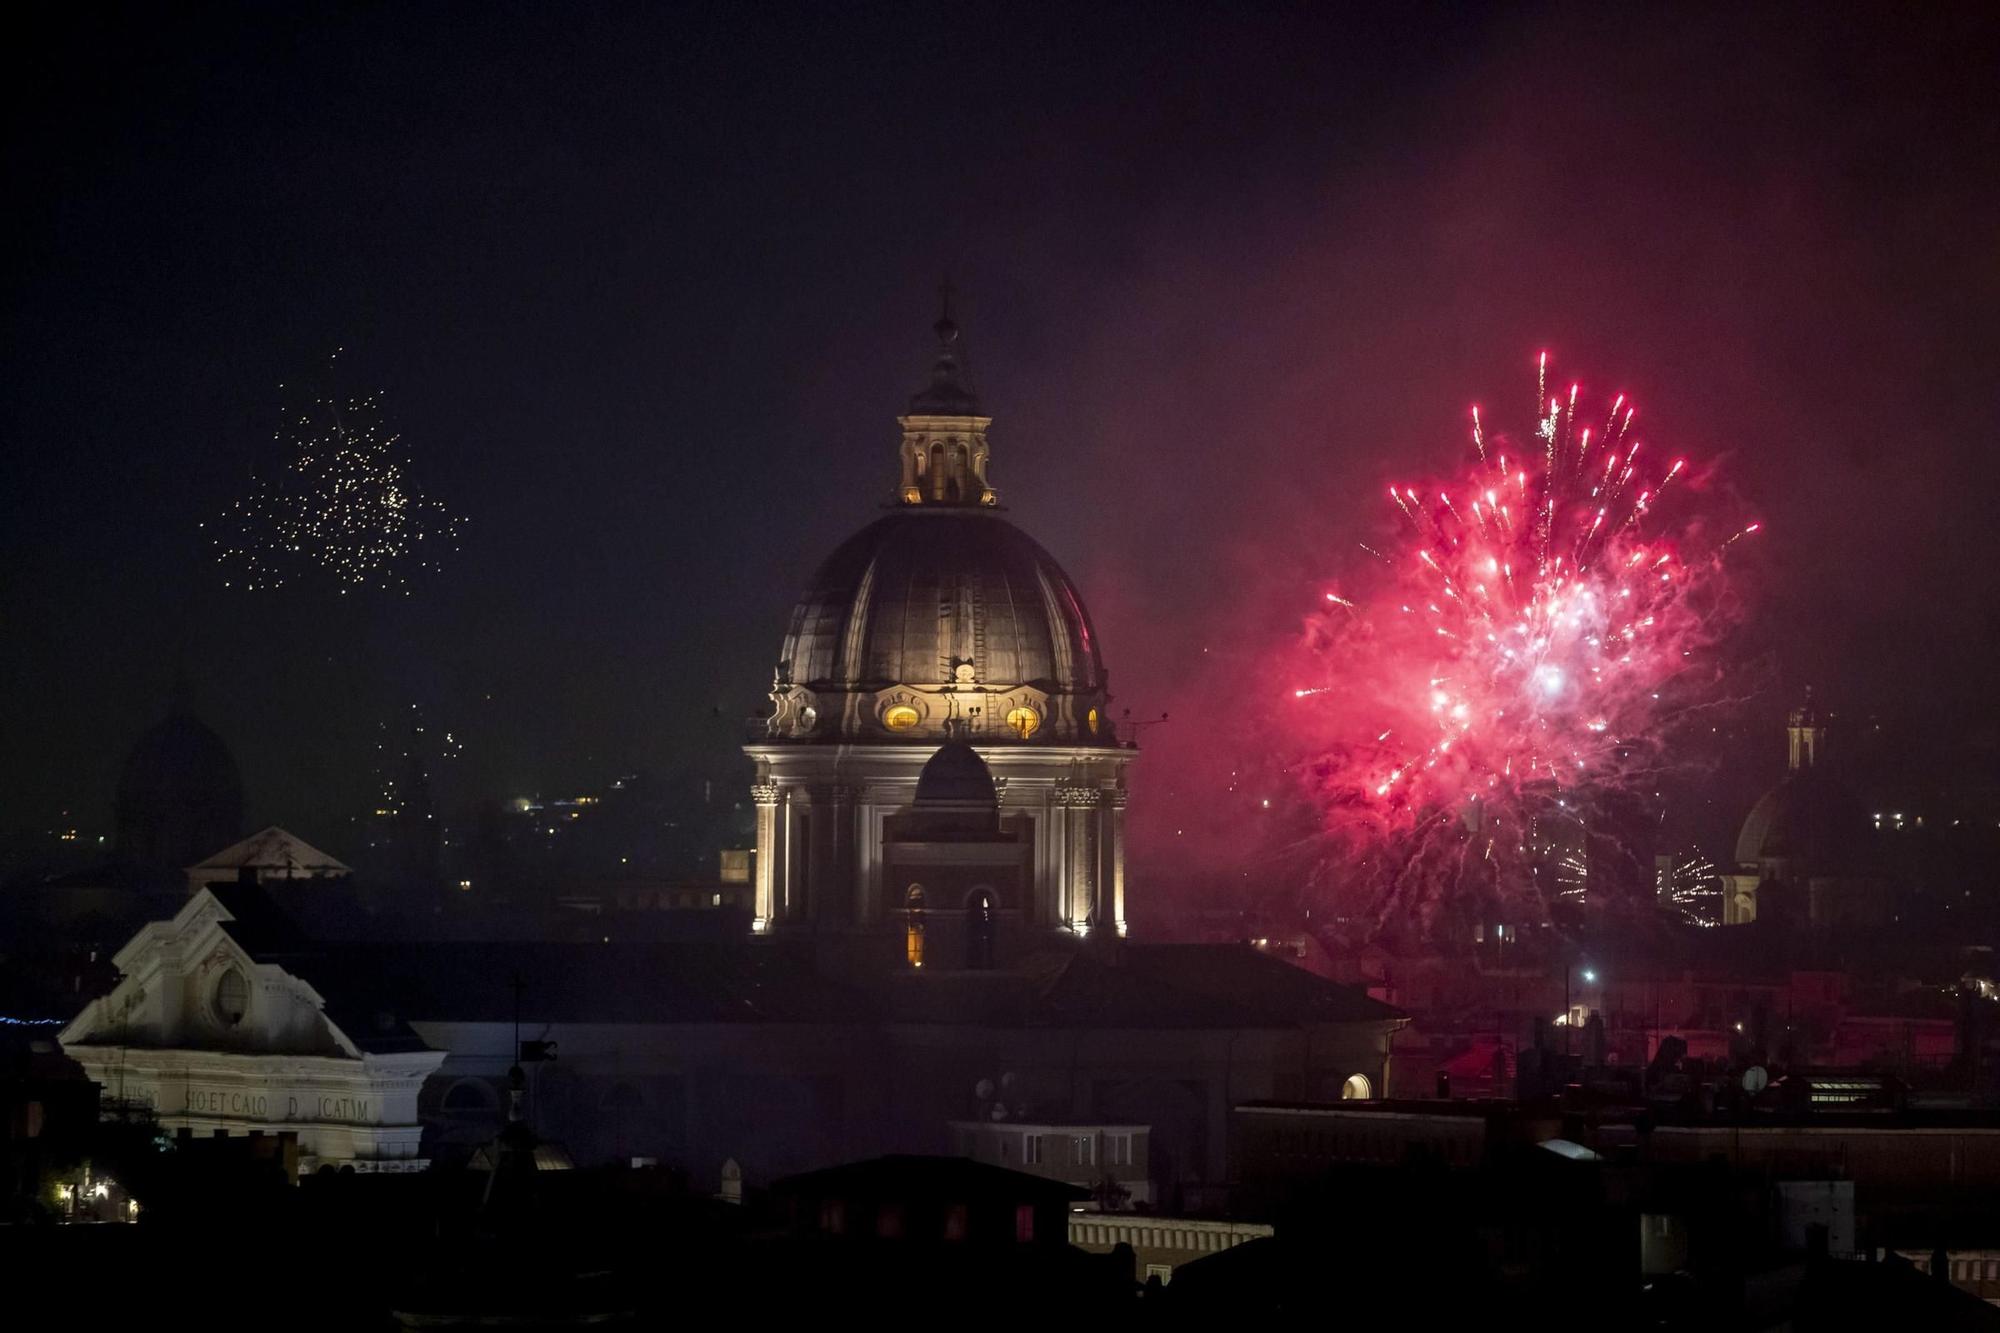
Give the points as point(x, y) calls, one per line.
point(867, 857)
point(1079, 804)
point(765, 794)
point(795, 887)
point(1114, 858)
point(830, 878)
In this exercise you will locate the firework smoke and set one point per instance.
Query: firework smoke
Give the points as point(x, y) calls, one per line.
point(1490, 697)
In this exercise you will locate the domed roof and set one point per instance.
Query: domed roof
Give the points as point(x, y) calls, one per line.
point(956, 775)
point(1807, 818)
point(923, 593)
point(180, 795)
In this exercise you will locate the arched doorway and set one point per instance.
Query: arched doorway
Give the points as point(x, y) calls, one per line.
point(1357, 1089)
point(979, 929)
point(913, 925)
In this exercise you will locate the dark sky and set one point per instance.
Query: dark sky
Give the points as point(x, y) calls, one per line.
point(645, 285)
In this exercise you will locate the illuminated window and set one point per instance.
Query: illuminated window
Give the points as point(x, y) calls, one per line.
point(1356, 1089)
point(979, 930)
point(901, 718)
point(232, 998)
point(913, 930)
point(1091, 719)
point(1023, 721)
point(1024, 1222)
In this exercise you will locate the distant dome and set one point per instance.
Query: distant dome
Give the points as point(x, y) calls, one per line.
point(957, 775)
point(944, 597)
point(1808, 819)
point(180, 795)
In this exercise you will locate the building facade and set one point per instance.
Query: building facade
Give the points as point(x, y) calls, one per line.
point(213, 1039)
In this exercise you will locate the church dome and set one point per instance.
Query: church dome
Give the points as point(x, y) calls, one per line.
point(941, 619)
point(1807, 819)
point(919, 594)
point(180, 796)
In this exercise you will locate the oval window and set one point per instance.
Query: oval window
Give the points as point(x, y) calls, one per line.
point(232, 998)
point(902, 717)
point(1023, 721)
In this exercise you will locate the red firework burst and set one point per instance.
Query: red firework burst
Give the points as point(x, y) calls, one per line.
point(1517, 661)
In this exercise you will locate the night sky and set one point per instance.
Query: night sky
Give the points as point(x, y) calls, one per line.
point(644, 287)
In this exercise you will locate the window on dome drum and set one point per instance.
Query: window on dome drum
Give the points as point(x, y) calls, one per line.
point(1091, 719)
point(913, 928)
point(1023, 721)
point(900, 718)
point(232, 998)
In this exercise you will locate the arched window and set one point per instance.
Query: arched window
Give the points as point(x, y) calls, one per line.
point(232, 998)
point(913, 925)
point(1357, 1088)
point(979, 929)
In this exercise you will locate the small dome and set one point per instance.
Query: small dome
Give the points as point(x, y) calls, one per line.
point(934, 598)
point(956, 775)
point(180, 795)
point(1808, 819)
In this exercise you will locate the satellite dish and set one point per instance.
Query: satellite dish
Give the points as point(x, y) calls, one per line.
point(1007, 1079)
point(983, 1089)
point(999, 1111)
point(1755, 1080)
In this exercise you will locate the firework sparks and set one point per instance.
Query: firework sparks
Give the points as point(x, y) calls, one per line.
point(1523, 656)
point(343, 506)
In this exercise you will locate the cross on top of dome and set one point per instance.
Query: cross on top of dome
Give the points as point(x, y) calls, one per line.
point(950, 393)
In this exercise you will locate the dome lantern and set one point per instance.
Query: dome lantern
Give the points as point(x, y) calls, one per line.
point(944, 452)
